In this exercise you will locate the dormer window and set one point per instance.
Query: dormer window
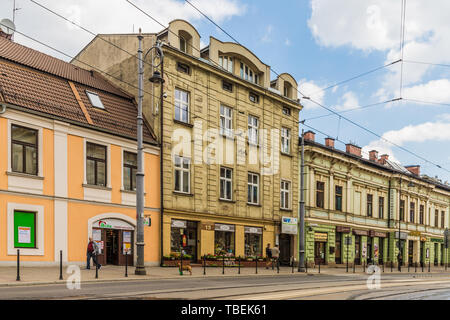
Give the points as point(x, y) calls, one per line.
point(248, 74)
point(226, 63)
point(287, 90)
point(182, 44)
point(95, 100)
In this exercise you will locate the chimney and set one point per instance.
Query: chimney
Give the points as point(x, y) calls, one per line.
point(383, 158)
point(373, 155)
point(309, 135)
point(414, 169)
point(329, 142)
point(353, 149)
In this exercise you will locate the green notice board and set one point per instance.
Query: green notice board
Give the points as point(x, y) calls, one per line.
point(24, 229)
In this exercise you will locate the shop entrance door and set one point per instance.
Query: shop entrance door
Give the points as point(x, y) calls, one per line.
point(369, 250)
point(112, 246)
point(422, 253)
point(410, 252)
point(338, 252)
point(285, 249)
point(357, 249)
point(380, 250)
point(436, 248)
point(319, 252)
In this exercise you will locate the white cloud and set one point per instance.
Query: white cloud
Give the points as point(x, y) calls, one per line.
point(375, 26)
point(428, 131)
point(312, 90)
point(348, 101)
point(115, 17)
point(434, 90)
point(267, 37)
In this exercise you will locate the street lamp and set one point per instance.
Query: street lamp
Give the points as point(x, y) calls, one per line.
point(156, 78)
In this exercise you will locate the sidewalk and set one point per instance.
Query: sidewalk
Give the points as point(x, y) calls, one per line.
point(50, 275)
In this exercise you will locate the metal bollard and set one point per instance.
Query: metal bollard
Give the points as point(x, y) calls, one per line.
point(256, 265)
point(383, 266)
point(292, 264)
point(204, 265)
point(278, 265)
point(364, 266)
point(319, 265)
point(126, 263)
point(96, 270)
point(239, 265)
point(392, 265)
point(223, 264)
point(415, 267)
point(429, 264)
point(306, 265)
point(60, 265)
point(18, 265)
point(408, 266)
point(354, 265)
point(422, 265)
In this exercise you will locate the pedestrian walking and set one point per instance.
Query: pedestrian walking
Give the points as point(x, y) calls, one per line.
point(92, 252)
point(275, 254)
point(268, 256)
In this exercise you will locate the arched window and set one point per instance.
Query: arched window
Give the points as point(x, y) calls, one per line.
point(183, 44)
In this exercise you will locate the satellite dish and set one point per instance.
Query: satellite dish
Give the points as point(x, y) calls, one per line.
point(7, 26)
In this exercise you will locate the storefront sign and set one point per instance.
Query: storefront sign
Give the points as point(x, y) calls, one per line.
point(289, 225)
point(360, 232)
point(224, 227)
point(100, 245)
point(319, 236)
point(415, 233)
point(24, 234)
point(423, 238)
point(373, 233)
point(112, 224)
point(147, 221)
point(403, 235)
point(342, 229)
point(127, 248)
point(179, 223)
point(253, 230)
point(207, 226)
point(96, 234)
point(437, 240)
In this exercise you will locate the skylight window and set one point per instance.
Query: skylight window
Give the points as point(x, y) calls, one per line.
point(95, 100)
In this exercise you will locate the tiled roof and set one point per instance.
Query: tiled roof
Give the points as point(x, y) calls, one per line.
point(36, 81)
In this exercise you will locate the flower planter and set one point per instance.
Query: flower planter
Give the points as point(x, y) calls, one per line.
point(233, 263)
point(174, 263)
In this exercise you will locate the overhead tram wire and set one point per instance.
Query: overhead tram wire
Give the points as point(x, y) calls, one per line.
point(319, 104)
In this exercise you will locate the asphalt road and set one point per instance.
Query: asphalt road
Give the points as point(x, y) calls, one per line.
point(277, 287)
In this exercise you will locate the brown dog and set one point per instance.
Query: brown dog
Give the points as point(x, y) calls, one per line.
point(185, 267)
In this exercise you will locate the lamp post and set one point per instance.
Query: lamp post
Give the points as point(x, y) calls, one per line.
point(399, 226)
point(156, 78)
point(301, 222)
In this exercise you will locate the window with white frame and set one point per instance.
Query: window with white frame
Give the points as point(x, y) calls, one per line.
point(248, 74)
point(226, 63)
point(181, 105)
point(183, 46)
point(253, 188)
point(226, 121)
point(285, 140)
point(226, 183)
point(253, 130)
point(182, 174)
point(285, 202)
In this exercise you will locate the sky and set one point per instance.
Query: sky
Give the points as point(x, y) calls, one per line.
point(320, 43)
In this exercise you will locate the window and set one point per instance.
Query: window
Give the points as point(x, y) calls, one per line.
point(436, 218)
point(226, 121)
point(253, 188)
point(421, 214)
point(412, 211)
point(442, 219)
point(24, 150)
point(369, 205)
point(95, 164)
point(248, 74)
point(224, 239)
point(285, 141)
point(286, 111)
point(253, 241)
point(181, 105)
point(320, 187)
point(226, 63)
point(129, 170)
point(253, 131)
point(182, 174)
point(338, 197)
point(285, 194)
point(402, 210)
point(381, 207)
point(24, 229)
point(227, 86)
point(226, 183)
point(95, 100)
point(183, 68)
point(182, 44)
point(253, 97)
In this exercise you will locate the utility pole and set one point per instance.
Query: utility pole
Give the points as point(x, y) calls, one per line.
point(140, 269)
point(301, 220)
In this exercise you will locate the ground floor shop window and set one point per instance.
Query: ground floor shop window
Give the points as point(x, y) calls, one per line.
point(253, 241)
point(183, 236)
point(224, 242)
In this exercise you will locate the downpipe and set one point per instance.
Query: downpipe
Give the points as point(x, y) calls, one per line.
point(3, 108)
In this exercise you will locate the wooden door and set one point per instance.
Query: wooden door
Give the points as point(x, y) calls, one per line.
point(338, 249)
point(126, 237)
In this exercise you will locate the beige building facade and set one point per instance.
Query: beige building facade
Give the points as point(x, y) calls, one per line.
point(230, 141)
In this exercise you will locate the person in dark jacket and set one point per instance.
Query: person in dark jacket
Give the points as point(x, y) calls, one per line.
point(268, 256)
point(92, 251)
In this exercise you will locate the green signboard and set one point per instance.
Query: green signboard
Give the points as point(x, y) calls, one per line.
point(437, 240)
point(24, 229)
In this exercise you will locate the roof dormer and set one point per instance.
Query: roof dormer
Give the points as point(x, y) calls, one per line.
point(286, 85)
point(183, 36)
